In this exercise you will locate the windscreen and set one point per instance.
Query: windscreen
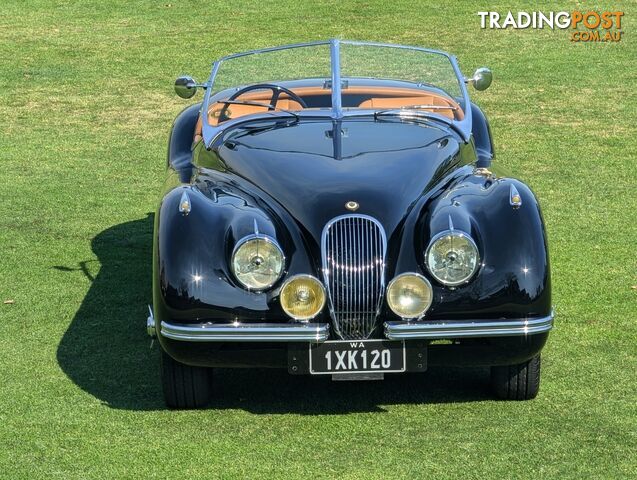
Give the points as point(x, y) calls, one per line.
point(299, 63)
point(428, 69)
point(387, 80)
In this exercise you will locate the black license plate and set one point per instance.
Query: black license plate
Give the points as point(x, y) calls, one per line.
point(349, 356)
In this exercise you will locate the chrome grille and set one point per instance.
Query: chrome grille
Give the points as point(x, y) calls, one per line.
point(353, 250)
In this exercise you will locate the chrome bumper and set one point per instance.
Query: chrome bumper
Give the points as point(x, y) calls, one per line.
point(319, 332)
point(247, 332)
point(467, 328)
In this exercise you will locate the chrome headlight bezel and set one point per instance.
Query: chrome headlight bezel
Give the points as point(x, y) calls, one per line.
point(271, 241)
point(455, 233)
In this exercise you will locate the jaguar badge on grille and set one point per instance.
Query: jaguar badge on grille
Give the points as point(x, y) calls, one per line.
point(352, 205)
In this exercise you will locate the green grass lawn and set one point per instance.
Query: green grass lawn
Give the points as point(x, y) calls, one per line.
point(86, 103)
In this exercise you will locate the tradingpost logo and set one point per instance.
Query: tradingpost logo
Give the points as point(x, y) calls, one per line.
point(584, 26)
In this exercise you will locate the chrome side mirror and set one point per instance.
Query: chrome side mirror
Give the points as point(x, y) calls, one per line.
point(185, 87)
point(481, 79)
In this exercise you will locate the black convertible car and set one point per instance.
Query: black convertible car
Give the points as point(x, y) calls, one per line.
point(332, 208)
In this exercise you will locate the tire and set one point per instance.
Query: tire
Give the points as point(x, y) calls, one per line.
point(517, 382)
point(184, 386)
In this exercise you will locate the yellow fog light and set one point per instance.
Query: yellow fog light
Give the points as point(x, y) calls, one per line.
point(302, 297)
point(409, 295)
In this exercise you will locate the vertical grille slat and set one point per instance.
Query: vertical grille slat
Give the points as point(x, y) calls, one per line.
point(353, 249)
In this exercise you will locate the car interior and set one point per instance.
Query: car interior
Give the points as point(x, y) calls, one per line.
point(366, 97)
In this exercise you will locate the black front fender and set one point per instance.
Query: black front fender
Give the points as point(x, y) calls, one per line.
point(192, 278)
point(513, 279)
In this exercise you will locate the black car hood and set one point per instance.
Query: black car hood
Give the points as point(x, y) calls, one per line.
point(313, 168)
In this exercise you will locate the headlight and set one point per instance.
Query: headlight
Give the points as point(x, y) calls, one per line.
point(302, 297)
point(409, 295)
point(257, 262)
point(452, 257)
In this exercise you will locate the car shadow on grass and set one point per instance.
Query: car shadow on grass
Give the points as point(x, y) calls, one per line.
point(107, 353)
point(276, 392)
point(105, 350)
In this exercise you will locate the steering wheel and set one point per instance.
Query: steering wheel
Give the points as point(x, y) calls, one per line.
point(276, 92)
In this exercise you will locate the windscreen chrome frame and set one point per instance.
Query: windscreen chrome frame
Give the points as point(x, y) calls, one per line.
point(212, 133)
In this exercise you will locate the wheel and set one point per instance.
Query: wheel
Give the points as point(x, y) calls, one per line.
point(184, 386)
point(276, 92)
point(517, 382)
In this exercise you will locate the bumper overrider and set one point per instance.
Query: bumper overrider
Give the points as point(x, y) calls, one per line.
point(320, 332)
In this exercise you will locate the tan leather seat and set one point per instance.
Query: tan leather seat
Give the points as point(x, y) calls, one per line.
point(230, 111)
point(454, 112)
